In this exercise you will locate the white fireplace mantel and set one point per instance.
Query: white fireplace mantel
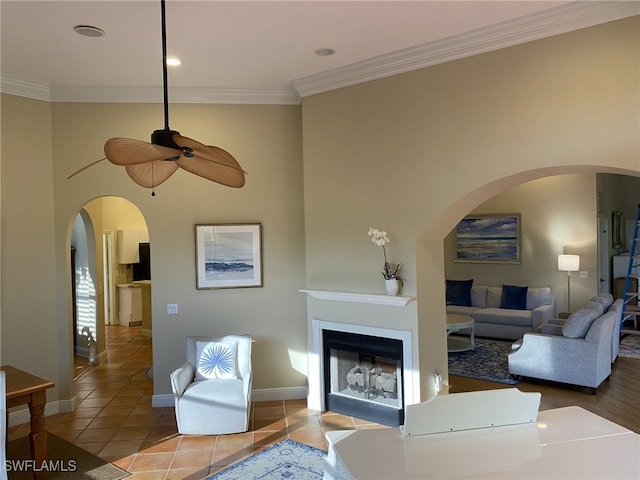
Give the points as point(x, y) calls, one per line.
point(396, 301)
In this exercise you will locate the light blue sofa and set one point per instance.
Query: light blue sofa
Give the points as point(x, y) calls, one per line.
point(491, 320)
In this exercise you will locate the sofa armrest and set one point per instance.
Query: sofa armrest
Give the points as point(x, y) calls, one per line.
point(181, 378)
point(539, 349)
point(541, 314)
point(550, 329)
point(557, 321)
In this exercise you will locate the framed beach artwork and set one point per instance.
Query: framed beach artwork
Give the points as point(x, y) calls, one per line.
point(228, 256)
point(491, 238)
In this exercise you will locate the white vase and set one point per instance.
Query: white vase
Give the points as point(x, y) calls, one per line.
point(392, 285)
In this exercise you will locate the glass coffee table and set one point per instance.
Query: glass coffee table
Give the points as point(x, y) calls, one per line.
point(458, 323)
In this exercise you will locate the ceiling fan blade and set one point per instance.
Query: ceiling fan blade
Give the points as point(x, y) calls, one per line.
point(151, 174)
point(216, 172)
point(127, 151)
point(213, 154)
point(85, 167)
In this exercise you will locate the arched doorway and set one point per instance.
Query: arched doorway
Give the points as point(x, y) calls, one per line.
point(555, 224)
point(103, 263)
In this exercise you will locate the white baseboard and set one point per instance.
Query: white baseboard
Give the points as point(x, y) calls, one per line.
point(146, 332)
point(285, 393)
point(21, 416)
point(164, 400)
point(257, 395)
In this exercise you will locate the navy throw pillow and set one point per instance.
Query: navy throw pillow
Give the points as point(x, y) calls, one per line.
point(514, 297)
point(459, 292)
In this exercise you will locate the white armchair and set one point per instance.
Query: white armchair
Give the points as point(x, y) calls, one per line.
point(212, 389)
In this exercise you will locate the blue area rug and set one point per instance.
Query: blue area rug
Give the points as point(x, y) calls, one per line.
point(487, 361)
point(286, 460)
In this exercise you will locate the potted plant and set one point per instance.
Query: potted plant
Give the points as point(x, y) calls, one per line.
point(389, 271)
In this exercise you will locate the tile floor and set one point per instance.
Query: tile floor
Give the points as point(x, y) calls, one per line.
point(114, 420)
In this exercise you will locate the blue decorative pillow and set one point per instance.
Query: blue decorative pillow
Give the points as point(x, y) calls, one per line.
point(459, 292)
point(514, 297)
point(216, 360)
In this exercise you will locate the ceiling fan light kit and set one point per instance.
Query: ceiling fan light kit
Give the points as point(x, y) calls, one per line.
point(150, 164)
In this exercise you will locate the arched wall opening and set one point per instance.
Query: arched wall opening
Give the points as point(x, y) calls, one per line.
point(431, 257)
point(95, 228)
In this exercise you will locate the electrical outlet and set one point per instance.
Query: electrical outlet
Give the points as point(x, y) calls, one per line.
point(584, 274)
point(172, 309)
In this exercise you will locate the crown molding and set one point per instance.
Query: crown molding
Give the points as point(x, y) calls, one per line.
point(68, 93)
point(176, 95)
point(555, 21)
point(23, 88)
point(562, 19)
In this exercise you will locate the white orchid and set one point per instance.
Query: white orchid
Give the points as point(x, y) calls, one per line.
point(379, 237)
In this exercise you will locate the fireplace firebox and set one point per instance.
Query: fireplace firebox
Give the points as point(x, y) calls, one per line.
point(363, 376)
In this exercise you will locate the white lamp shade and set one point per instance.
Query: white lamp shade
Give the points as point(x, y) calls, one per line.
point(569, 263)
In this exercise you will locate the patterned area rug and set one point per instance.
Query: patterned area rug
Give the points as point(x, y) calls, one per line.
point(286, 460)
point(487, 361)
point(630, 346)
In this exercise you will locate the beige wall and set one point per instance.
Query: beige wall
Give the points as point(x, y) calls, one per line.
point(29, 334)
point(414, 153)
point(411, 154)
point(266, 142)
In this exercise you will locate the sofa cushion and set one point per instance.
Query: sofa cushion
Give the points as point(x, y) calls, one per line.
point(503, 316)
point(604, 299)
point(514, 297)
point(479, 296)
point(578, 323)
point(459, 292)
point(494, 297)
point(216, 360)
point(536, 297)
point(461, 310)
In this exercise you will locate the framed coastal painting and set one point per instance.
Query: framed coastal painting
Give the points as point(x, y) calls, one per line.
point(228, 256)
point(490, 238)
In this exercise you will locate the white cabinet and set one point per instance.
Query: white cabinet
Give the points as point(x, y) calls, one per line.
point(130, 301)
point(128, 241)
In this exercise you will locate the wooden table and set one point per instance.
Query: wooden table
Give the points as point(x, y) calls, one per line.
point(24, 388)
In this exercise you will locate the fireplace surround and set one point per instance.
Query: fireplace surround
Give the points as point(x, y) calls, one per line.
point(363, 376)
point(361, 371)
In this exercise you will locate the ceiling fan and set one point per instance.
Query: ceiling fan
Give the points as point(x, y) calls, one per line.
point(150, 164)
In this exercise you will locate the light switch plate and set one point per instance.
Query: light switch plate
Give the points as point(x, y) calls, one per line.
point(172, 309)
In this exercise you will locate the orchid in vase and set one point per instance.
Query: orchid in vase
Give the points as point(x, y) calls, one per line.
point(390, 271)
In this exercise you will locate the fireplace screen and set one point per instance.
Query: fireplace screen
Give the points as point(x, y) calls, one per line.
point(363, 376)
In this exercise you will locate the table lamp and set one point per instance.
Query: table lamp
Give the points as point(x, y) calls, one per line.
point(569, 263)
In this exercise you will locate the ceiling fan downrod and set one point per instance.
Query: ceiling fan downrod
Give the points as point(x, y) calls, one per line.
point(164, 137)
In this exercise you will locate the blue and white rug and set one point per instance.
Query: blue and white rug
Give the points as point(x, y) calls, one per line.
point(487, 361)
point(285, 460)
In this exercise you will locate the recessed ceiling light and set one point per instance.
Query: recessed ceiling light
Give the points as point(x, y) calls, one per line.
point(88, 31)
point(173, 62)
point(324, 52)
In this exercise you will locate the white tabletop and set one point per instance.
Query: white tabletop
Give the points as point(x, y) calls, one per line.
point(565, 443)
